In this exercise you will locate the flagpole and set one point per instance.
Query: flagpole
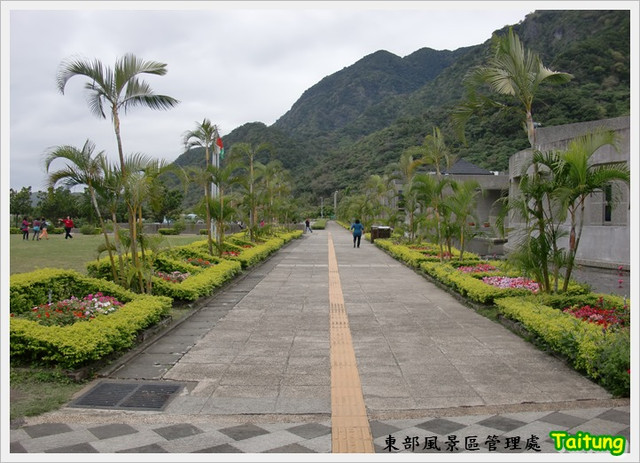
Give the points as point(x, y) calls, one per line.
point(214, 187)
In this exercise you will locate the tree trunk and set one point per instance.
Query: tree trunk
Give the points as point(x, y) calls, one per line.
point(104, 232)
point(574, 241)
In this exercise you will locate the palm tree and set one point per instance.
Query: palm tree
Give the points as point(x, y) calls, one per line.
point(404, 170)
point(463, 203)
point(218, 208)
point(276, 183)
point(111, 190)
point(434, 152)
point(117, 89)
point(578, 178)
point(241, 151)
point(82, 169)
point(429, 192)
point(204, 136)
point(519, 73)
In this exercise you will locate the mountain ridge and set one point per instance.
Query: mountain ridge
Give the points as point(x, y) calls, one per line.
point(360, 119)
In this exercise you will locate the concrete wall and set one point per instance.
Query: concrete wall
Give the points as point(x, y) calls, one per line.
point(604, 243)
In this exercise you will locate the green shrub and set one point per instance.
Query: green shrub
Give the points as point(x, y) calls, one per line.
point(613, 364)
point(88, 229)
point(168, 231)
point(319, 224)
point(15, 231)
point(179, 226)
point(55, 231)
point(586, 345)
point(201, 283)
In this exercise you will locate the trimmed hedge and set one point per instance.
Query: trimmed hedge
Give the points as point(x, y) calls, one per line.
point(201, 283)
point(603, 355)
point(85, 341)
point(414, 257)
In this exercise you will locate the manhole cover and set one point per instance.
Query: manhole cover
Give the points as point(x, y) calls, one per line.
point(128, 396)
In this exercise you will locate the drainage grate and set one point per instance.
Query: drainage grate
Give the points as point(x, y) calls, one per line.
point(128, 396)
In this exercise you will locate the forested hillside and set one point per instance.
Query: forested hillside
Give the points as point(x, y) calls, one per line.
point(354, 123)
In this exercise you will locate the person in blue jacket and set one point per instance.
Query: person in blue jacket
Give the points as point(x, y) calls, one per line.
point(358, 229)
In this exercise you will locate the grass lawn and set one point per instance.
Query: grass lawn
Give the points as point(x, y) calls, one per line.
point(34, 390)
point(56, 252)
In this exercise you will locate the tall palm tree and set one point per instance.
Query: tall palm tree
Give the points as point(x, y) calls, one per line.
point(204, 136)
point(512, 71)
point(118, 88)
point(83, 168)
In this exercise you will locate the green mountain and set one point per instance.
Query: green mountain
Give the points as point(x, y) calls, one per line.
point(357, 121)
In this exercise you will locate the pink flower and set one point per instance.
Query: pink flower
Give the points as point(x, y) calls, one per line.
point(515, 283)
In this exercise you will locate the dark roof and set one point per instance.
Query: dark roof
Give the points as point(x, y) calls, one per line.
point(462, 167)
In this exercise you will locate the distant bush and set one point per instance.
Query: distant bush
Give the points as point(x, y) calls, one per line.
point(168, 231)
point(319, 224)
point(90, 230)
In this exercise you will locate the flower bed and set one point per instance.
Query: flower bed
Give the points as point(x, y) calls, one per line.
point(173, 277)
point(478, 268)
point(200, 262)
point(606, 313)
point(504, 282)
point(69, 311)
point(85, 341)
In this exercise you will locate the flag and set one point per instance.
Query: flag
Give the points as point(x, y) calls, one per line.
point(221, 146)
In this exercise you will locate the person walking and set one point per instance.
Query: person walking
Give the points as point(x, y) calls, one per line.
point(357, 228)
point(68, 225)
point(43, 228)
point(307, 226)
point(36, 230)
point(25, 228)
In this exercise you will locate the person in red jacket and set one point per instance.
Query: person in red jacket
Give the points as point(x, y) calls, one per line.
point(68, 225)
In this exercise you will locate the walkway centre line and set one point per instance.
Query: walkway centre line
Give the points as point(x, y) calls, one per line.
point(350, 431)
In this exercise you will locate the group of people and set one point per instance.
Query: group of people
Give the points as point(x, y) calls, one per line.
point(40, 226)
point(357, 227)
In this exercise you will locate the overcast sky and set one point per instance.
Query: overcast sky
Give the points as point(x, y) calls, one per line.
point(233, 62)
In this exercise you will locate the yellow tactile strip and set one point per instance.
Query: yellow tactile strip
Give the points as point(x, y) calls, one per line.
point(350, 431)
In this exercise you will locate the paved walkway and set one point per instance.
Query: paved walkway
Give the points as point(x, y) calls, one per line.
point(260, 376)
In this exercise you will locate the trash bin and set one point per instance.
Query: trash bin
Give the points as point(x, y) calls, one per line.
point(374, 232)
point(384, 232)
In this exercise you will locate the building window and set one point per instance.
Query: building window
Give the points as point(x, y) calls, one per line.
point(608, 196)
